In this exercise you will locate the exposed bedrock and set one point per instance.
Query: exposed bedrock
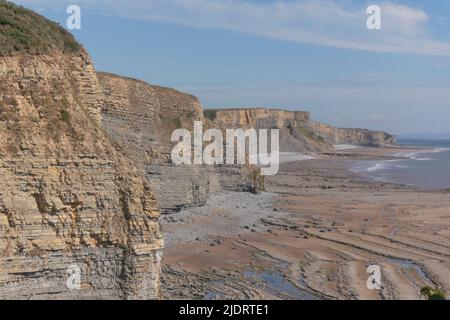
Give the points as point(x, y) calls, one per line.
point(361, 137)
point(69, 199)
point(67, 196)
point(298, 132)
point(140, 118)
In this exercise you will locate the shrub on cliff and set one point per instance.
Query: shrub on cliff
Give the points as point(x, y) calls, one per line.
point(22, 30)
point(64, 115)
point(432, 294)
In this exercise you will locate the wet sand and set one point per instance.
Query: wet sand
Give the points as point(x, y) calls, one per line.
point(311, 236)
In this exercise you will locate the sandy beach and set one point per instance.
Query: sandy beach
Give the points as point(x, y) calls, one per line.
point(312, 235)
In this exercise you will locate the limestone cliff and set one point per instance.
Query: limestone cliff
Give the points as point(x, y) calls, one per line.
point(298, 132)
point(361, 137)
point(68, 196)
point(141, 118)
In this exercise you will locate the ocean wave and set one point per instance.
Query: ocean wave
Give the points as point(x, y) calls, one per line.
point(385, 165)
point(417, 154)
point(377, 167)
point(425, 168)
point(437, 150)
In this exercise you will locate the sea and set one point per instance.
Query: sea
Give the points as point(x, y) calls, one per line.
point(426, 169)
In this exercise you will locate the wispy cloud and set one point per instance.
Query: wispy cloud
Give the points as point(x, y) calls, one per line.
point(332, 23)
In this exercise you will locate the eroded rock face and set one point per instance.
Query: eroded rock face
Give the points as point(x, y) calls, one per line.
point(298, 132)
point(141, 118)
point(362, 137)
point(68, 196)
point(295, 136)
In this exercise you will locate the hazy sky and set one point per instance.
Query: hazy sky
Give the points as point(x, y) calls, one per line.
point(315, 55)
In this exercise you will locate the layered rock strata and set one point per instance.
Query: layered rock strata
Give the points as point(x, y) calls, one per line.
point(70, 202)
point(140, 118)
point(298, 132)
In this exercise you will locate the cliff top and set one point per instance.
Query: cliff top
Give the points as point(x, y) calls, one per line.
point(212, 113)
point(256, 109)
point(155, 87)
point(24, 31)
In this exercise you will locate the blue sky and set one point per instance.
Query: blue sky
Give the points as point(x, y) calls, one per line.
point(314, 55)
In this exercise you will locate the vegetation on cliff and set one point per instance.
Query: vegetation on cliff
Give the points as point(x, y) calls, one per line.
point(22, 30)
point(210, 114)
point(432, 294)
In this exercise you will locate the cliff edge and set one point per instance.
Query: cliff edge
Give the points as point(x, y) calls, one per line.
point(70, 201)
point(140, 118)
point(298, 132)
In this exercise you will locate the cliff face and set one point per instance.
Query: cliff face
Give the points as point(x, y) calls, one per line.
point(69, 199)
point(361, 137)
point(295, 136)
point(298, 132)
point(141, 118)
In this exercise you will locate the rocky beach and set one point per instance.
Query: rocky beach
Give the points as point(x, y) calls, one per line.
point(312, 235)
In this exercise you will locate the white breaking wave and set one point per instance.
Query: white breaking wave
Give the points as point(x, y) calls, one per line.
point(437, 150)
point(377, 167)
point(384, 165)
point(421, 159)
point(416, 155)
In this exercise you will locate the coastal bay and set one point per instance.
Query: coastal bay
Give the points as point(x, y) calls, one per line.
point(312, 235)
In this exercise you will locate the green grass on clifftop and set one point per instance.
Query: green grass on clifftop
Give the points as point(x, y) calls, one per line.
point(24, 31)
